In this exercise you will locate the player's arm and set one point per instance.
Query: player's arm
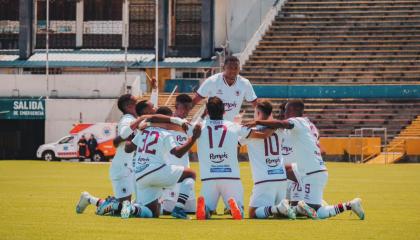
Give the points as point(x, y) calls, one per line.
point(181, 150)
point(197, 99)
point(130, 147)
point(261, 134)
point(284, 124)
point(130, 144)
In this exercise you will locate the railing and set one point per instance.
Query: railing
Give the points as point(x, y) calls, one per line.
point(255, 39)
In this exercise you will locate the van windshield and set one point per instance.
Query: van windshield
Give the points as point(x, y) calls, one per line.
point(66, 140)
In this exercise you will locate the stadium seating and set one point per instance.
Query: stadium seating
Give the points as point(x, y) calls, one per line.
point(339, 42)
point(340, 117)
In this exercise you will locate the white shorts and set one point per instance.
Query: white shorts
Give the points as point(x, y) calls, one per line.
point(211, 190)
point(312, 190)
point(123, 187)
point(150, 187)
point(170, 197)
point(268, 194)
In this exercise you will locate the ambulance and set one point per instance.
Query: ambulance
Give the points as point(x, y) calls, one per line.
point(67, 147)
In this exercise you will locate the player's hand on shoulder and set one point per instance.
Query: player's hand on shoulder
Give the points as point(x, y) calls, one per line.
point(250, 124)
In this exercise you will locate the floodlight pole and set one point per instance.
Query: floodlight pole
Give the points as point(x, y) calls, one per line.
point(156, 42)
point(47, 46)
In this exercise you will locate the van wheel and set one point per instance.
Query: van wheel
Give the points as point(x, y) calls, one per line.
point(48, 156)
point(98, 157)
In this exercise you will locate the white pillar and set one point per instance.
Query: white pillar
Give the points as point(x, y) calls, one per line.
point(79, 23)
point(125, 20)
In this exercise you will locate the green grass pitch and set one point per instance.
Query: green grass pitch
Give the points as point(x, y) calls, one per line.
point(37, 201)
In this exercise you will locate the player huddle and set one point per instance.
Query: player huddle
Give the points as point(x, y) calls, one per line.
point(152, 160)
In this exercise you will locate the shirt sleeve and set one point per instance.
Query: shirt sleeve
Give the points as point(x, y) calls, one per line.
point(190, 130)
point(137, 138)
point(243, 132)
point(250, 95)
point(124, 131)
point(204, 89)
point(169, 143)
point(296, 124)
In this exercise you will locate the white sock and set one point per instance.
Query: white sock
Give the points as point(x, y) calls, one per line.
point(263, 212)
point(331, 211)
point(141, 211)
point(94, 200)
point(185, 189)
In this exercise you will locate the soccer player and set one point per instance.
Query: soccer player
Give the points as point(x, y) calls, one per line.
point(154, 145)
point(300, 145)
point(268, 171)
point(183, 105)
point(218, 160)
point(228, 86)
point(121, 173)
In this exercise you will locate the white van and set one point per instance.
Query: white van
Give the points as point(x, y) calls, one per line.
point(67, 147)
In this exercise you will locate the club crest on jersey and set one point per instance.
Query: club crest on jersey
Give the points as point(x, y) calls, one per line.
point(272, 162)
point(218, 158)
point(237, 93)
point(286, 150)
point(219, 91)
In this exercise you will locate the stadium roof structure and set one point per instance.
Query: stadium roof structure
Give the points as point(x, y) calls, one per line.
point(99, 58)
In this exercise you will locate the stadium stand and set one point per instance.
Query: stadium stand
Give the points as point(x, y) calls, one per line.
point(345, 42)
point(339, 42)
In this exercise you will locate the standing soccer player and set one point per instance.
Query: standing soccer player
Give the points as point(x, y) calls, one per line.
point(230, 87)
point(300, 145)
point(268, 171)
point(121, 172)
point(218, 160)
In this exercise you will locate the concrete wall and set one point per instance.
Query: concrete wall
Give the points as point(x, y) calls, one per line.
point(61, 114)
point(67, 85)
point(237, 20)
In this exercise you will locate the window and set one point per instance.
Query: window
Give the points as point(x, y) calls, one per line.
point(66, 140)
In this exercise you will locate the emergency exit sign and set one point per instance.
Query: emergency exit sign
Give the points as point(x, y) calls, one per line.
point(22, 109)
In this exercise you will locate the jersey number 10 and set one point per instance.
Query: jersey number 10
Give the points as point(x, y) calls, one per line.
point(268, 142)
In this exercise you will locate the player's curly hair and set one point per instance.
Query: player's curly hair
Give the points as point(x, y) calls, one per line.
point(215, 108)
point(183, 98)
point(296, 105)
point(164, 111)
point(231, 59)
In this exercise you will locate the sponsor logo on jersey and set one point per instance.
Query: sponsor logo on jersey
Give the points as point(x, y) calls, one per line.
point(273, 162)
point(230, 106)
point(286, 150)
point(181, 139)
point(218, 158)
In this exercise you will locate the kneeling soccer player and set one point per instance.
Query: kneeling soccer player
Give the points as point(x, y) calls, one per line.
point(268, 171)
point(218, 160)
point(301, 146)
point(152, 174)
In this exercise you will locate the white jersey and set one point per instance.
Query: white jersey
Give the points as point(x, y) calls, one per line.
point(301, 145)
point(265, 157)
point(153, 148)
point(217, 149)
point(180, 139)
point(121, 165)
point(232, 96)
